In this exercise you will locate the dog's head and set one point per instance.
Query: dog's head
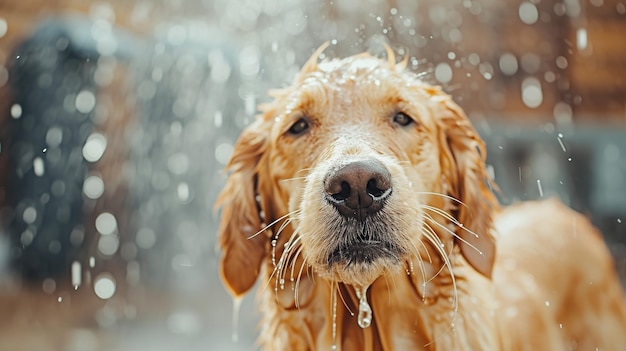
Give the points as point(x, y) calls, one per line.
point(371, 167)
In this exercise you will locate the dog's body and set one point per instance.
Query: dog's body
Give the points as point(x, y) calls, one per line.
point(361, 199)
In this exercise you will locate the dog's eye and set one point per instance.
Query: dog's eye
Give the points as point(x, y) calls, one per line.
point(299, 127)
point(402, 119)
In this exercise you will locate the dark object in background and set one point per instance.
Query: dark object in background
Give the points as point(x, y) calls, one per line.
point(51, 116)
point(170, 114)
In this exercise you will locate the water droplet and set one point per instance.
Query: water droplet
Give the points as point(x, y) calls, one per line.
point(108, 244)
point(49, 285)
point(76, 274)
point(561, 143)
point(223, 152)
point(85, 101)
point(93, 187)
point(218, 119)
point(581, 39)
point(54, 136)
point(3, 27)
point(106, 223)
point(178, 163)
point(16, 111)
point(145, 238)
point(540, 189)
point(236, 308)
point(104, 286)
point(528, 12)
point(562, 113)
point(532, 95)
point(30, 215)
point(508, 64)
point(364, 317)
point(94, 147)
point(473, 59)
point(38, 166)
point(561, 62)
point(443, 72)
point(183, 192)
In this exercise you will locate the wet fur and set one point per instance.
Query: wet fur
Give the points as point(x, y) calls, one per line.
point(439, 283)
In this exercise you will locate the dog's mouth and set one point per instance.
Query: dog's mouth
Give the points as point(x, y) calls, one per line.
point(364, 246)
point(363, 252)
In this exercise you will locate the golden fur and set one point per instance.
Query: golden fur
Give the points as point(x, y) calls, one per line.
point(442, 285)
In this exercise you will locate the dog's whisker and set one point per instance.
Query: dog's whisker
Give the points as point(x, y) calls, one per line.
point(449, 197)
point(449, 217)
point(441, 212)
point(297, 286)
point(293, 259)
point(455, 299)
point(288, 258)
point(417, 249)
point(435, 241)
point(431, 229)
point(443, 227)
point(293, 178)
point(420, 262)
point(273, 223)
point(343, 300)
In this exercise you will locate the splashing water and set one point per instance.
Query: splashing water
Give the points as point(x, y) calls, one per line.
point(364, 316)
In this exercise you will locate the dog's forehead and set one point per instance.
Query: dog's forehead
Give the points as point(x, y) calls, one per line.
point(356, 69)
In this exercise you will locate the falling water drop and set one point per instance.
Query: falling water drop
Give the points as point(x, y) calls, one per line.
point(76, 274)
point(365, 311)
point(236, 308)
point(334, 310)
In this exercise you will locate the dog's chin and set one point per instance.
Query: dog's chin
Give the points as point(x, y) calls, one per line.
point(361, 263)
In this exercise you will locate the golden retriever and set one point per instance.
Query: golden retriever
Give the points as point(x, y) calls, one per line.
point(360, 198)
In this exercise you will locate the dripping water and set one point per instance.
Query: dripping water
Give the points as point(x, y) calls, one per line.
point(333, 302)
point(364, 316)
point(236, 308)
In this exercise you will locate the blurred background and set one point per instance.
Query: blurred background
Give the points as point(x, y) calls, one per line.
point(117, 117)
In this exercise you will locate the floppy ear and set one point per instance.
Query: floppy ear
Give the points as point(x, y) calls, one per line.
point(463, 161)
point(242, 250)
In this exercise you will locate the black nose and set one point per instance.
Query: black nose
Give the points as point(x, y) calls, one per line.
point(358, 189)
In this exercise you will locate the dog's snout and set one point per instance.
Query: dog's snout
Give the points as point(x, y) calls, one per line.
point(358, 189)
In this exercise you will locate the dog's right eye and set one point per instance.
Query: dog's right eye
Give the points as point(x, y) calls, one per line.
point(299, 127)
point(402, 119)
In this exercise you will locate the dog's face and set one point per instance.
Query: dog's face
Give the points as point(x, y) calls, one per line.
point(357, 150)
point(370, 165)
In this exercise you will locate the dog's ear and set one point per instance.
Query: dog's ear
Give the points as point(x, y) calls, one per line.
point(463, 163)
point(242, 248)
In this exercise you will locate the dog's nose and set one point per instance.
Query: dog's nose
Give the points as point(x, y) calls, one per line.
point(358, 189)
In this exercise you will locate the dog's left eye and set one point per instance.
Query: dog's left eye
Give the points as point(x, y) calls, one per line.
point(299, 127)
point(402, 119)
